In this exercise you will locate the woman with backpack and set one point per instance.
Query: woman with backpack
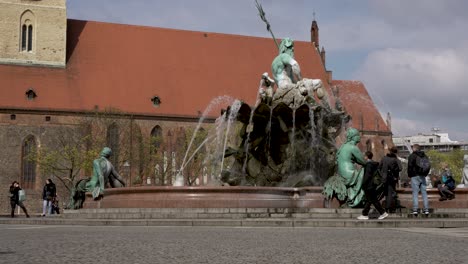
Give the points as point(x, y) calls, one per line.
point(447, 185)
point(48, 194)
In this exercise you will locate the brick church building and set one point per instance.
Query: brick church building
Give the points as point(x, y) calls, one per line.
point(56, 71)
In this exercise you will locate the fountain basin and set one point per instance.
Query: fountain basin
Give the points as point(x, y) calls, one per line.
point(243, 197)
point(208, 197)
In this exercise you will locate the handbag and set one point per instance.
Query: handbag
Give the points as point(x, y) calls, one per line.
point(21, 195)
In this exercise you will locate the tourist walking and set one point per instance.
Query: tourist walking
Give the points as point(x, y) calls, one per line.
point(418, 168)
point(369, 188)
point(390, 168)
point(15, 199)
point(447, 184)
point(48, 195)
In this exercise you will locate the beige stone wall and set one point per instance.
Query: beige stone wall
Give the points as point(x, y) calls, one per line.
point(49, 20)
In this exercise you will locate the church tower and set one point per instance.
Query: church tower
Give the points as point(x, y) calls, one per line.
point(33, 32)
point(314, 34)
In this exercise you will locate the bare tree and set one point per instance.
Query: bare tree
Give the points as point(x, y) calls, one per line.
point(67, 156)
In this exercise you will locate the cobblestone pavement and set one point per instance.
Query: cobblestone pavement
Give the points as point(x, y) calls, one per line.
point(100, 245)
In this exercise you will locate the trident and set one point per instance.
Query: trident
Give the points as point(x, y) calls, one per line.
point(261, 13)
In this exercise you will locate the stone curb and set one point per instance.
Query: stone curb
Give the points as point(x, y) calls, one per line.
point(280, 222)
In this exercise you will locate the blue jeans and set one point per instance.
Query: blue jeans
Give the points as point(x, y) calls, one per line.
point(46, 207)
point(419, 183)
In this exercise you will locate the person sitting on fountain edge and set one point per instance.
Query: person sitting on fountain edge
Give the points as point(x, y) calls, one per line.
point(369, 188)
point(447, 184)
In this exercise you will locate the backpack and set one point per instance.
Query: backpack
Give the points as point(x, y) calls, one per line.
point(377, 179)
point(393, 169)
point(450, 183)
point(423, 165)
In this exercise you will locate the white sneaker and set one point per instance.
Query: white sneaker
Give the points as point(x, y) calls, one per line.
point(363, 217)
point(383, 216)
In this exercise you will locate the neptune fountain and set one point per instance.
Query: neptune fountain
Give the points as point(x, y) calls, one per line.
point(283, 153)
point(288, 137)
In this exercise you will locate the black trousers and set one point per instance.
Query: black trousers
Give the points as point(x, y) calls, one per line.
point(13, 207)
point(390, 194)
point(371, 199)
point(445, 192)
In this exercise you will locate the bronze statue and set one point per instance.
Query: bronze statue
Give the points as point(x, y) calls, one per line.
point(104, 176)
point(346, 185)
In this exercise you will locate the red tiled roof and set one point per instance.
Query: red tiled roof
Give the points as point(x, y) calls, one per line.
point(358, 103)
point(123, 66)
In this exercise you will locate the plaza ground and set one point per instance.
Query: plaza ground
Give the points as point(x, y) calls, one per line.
point(117, 244)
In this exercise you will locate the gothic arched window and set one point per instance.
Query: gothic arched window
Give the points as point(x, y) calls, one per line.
point(140, 149)
point(24, 34)
point(113, 142)
point(27, 33)
point(368, 145)
point(28, 168)
point(156, 138)
point(30, 37)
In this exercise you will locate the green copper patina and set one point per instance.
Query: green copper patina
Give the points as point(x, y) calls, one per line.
point(346, 186)
point(104, 175)
point(293, 90)
point(285, 69)
point(287, 139)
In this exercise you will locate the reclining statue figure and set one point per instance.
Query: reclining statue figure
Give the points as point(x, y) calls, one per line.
point(104, 176)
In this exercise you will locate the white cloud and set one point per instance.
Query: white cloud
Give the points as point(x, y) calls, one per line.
point(417, 14)
point(407, 127)
point(421, 88)
point(412, 55)
point(417, 81)
point(399, 24)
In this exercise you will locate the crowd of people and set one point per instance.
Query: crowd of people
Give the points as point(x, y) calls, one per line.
point(388, 174)
point(50, 203)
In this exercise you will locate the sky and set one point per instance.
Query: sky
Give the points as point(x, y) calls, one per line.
point(412, 56)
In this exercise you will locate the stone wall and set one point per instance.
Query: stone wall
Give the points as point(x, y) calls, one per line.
point(13, 134)
point(47, 128)
point(49, 22)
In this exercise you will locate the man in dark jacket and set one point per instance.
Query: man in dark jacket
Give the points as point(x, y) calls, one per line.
point(390, 168)
point(369, 188)
point(418, 174)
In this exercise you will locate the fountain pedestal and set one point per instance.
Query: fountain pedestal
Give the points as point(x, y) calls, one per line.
point(242, 197)
point(208, 197)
